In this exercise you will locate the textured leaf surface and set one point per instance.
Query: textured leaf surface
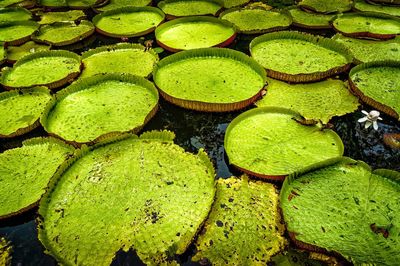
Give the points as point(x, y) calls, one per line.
point(244, 226)
point(362, 5)
point(309, 19)
point(11, 31)
point(327, 6)
point(25, 172)
point(14, 53)
point(14, 14)
point(181, 8)
point(5, 252)
point(269, 141)
point(113, 4)
point(234, 3)
point(51, 17)
point(147, 194)
point(359, 22)
point(314, 101)
point(357, 212)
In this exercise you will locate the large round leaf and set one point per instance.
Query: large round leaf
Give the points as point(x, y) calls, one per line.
point(52, 17)
point(327, 6)
point(14, 14)
point(184, 8)
point(99, 105)
point(361, 5)
point(210, 79)
point(309, 20)
point(348, 209)
point(25, 172)
point(271, 142)
point(17, 32)
point(15, 53)
point(143, 193)
point(244, 225)
point(113, 4)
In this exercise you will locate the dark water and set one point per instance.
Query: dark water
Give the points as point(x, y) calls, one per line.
point(196, 130)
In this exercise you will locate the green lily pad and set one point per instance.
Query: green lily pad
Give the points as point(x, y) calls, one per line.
point(368, 25)
point(52, 17)
point(143, 193)
point(99, 105)
point(15, 53)
point(378, 84)
point(3, 53)
point(26, 171)
point(350, 210)
point(244, 225)
point(64, 33)
point(113, 4)
point(53, 3)
point(314, 101)
point(120, 58)
point(194, 32)
point(271, 142)
point(257, 20)
point(5, 252)
point(128, 21)
point(308, 20)
point(11, 14)
point(84, 4)
point(361, 5)
point(209, 79)
point(21, 110)
point(390, 2)
point(50, 68)
point(17, 32)
point(234, 3)
point(299, 57)
point(10, 3)
point(327, 6)
point(365, 51)
point(185, 8)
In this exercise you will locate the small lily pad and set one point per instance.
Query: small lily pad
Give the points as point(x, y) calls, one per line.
point(271, 142)
point(93, 107)
point(128, 21)
point(54, 4)
point(26, 171)
point(234, 3)
point(309, 20)
point(84, 4)
point(21, 110)
point(15, 53)
point(17, 32)
point(11, 14)
point(327, 6)
point(113, 4)
point(52, 17)
point(314, 101)
point(185, 8)
point(361, 5)
point(244, 225)
point(3, 53)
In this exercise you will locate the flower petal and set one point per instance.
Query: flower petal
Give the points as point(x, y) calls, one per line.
point(380, 118)
point(368, 124)
point(363, 119)
point(364, 112)
point(375, 125)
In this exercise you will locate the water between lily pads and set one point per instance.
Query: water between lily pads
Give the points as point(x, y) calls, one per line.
point(195, 130)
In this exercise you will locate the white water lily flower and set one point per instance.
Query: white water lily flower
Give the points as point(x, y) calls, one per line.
point(370, 118)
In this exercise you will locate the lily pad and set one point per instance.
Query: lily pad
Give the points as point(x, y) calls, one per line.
point(314, 101)
point(52, 17)
point(143, 193)
point(234, 3)
point(113, 4)
point(84, 4)
point(184, 8)
point(389, 2)
point(195, 32)
point(378, 84)
point(11, 14)
point(64, 33)
point(5, 252)
point(128, 21)
point(99, 105)
point(299, 57)
point(309, 20)
point(17, 32)
point(25, 172)
point(345, 204)
point(50, 68)
point(15, 53)
point(244, 225)
point(271, 142)
point(327, 6)
point(21, 110)
point(257, 20)
point(3, 53)
point(10, 3)
point(361, 5)
point(367, 25)
point(209, 79)
point(365, 51)
point(53, 4)
point(120, 58)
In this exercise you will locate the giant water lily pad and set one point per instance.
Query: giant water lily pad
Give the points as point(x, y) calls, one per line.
point(244, 225)
point(25, 172)
point(51, 69)
point(194, 32)
point(327, 6)
point(52, 17)
point(99, 105)
point(299, 57)
point(234, 3)
point(349, 210)
point(361, 5)
point(14, 3)
point(378, 84)
point(85, 4)
point(15, 53)
point(10, 14)
point(54, 4)
point(270, 142)
point(113, 4)
point(314, 101)
point(64, 33)
point(21, 110)
point(257, 20)
point(143, 193)
point(17, 32)
point(369, 25)
point(209, 79)
point(120, 58)
point(128, 21)
point(184, 8)
point(390, 2)
point(309, 20)
point(365, 51)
